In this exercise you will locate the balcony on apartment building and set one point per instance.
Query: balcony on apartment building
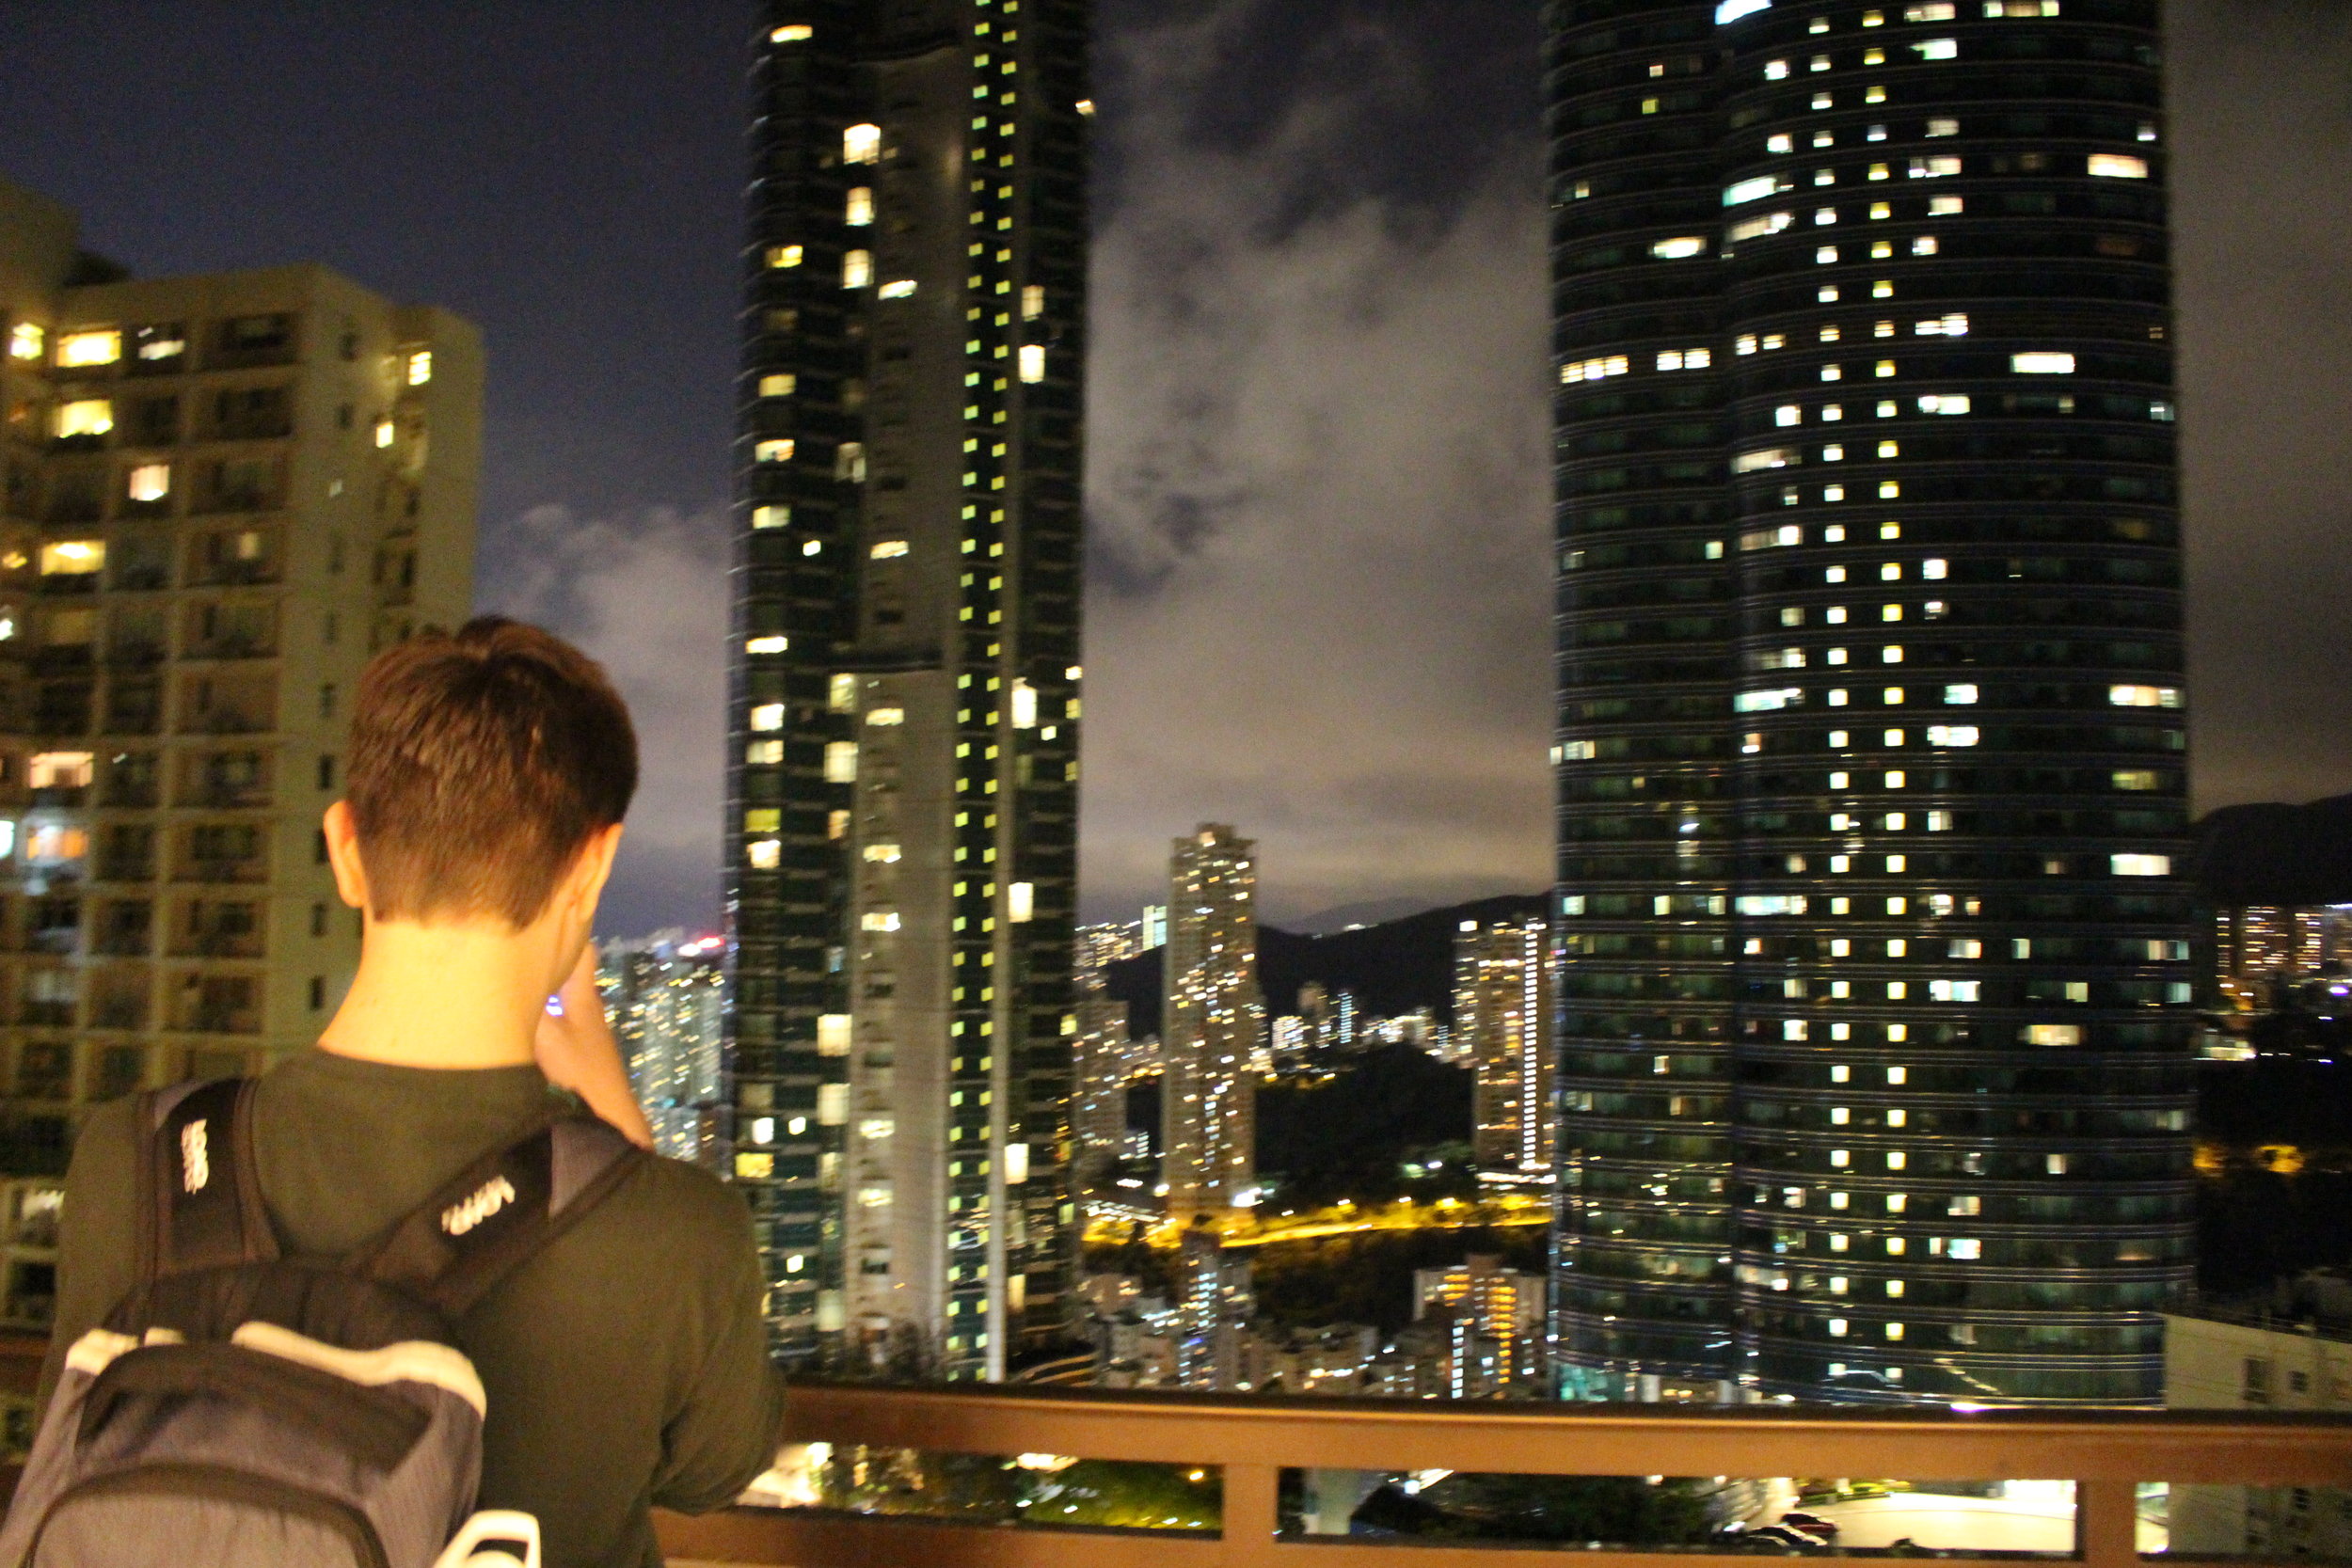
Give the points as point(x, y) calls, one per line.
point(1271, 1482)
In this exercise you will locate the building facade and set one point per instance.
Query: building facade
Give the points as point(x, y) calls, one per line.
point(1211, 1019)
point(1503, 1010)
point(222, 493)
point(902, 768)
point(666, 995)
point(1105, 1062)
point(1871, 756)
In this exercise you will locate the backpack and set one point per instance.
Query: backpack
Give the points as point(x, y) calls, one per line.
point(242, 1408)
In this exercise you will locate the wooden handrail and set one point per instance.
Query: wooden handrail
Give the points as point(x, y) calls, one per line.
point(1253, 1439)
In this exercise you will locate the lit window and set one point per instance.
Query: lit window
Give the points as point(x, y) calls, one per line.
point(879, 920)
point(149, 481)
point(1960, 696)
point(882, 854)
point(1732, 10)
point(765, 854)
point(841, 762)
point(763, 754)
point(1954, 990)
point(886, 718)
point(902, 288)
point(2136, 779)
point(1783, 143)
point(1751, 190)
point(1953, 325)
point(1941, 167)
point(26, 341)
point(767, 716)
point(1685, 359)
point(857, 269)
point(1943, 403)
point(778, 386)
point(72, 557)
point(88, 417)
point(383, 434)
point(780, 255)
point(888, 550)
point(1945, 206)
point(772, 452)
point(2054, 1164)
point(2021, 7)
point(1032, 302)
point(2140, 865)
point(82, 350)
point(2144, 696)
point(2054, 1034)
point(1750, 229)
point(1593, 370)
point(1679, 247)
point(419, 366)
point(1032, 362)
point(1020, 902)
point(771, 516)
point(1776, 70)
point(798, 32)
point(1943, 128)
point(861, 208)
point(1923, 246)
point(1938, 49)
point(1952, 735)
point(1933, 11)
point(759, 645)
point(2118, 165)
point(59, 770)
point(861, 144)
point(2042, 364)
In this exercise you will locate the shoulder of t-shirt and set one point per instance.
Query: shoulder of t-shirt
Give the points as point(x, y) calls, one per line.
point(675, 1201)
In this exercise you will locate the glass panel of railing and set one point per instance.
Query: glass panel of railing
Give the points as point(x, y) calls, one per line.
point(1029, 1489)
point(1846, 1516)
point(2259, 1523)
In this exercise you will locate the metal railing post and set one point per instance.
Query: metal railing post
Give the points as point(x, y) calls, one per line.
point(2107, 1522)
point(1251, 1513)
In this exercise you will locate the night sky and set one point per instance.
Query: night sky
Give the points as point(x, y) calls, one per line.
point(1318, 576)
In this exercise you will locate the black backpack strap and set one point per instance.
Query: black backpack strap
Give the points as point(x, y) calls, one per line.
point(497, 1213)
point(200, 1192)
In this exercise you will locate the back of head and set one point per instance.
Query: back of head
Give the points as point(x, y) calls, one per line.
point(480, 765)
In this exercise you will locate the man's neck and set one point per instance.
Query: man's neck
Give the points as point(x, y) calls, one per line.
point(454, 995)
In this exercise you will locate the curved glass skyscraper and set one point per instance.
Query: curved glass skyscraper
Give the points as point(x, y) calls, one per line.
point(1871, 750)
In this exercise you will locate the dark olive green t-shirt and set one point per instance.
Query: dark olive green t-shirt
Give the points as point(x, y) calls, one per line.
point(627, 1365)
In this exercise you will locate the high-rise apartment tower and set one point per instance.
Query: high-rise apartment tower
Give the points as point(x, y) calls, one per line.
point(902, 762)
point(1502, 1010)
point(1871, 751)
point(1213, 1019)
point(222, 493)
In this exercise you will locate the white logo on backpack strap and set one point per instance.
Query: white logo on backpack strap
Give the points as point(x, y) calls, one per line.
point(196, 1165)
point(493, 1196)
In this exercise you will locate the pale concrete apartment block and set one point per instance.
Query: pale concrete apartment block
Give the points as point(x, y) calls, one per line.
point(223, 493)
point(2293, 1352)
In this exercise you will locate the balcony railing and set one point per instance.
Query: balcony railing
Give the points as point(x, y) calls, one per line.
point(1253, 1440)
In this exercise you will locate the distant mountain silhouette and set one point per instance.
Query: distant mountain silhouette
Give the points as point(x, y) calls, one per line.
point(1392, 968)
point(2271, 854)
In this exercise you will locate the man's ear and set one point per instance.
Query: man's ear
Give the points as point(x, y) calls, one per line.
point(343, 854)
point(583, 883)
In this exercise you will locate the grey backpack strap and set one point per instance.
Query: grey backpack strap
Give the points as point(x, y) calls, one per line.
point(497, 1213)
point(198, 1192)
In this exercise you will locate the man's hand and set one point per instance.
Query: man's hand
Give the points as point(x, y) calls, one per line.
point(576, 1051)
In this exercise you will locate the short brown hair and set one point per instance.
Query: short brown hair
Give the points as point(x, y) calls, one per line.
point(480, 764)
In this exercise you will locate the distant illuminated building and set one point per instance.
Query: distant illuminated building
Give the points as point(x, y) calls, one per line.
point(1289, 1039)
point(2281, 979)
point(1214, 1312)
point(1487, 1302)
point(666, 998)
point(1105, 1062)
point(1213, 1015)
point(1112, 942)
point(1503, 986)
point(1154, 927)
